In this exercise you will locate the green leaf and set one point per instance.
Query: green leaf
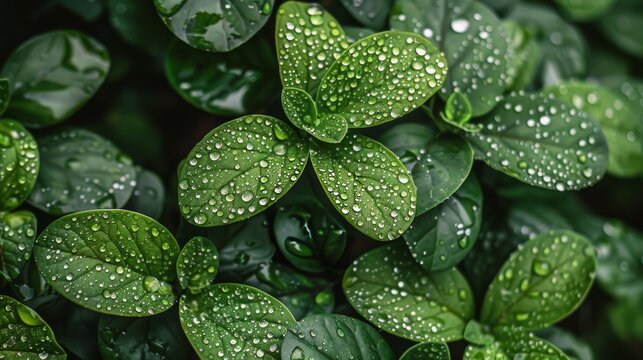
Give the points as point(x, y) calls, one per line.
point(234, 83)
point(562, 45)
point(137, 23)
point(622, 27)
point(331, 336)
point(525, 57)
point(541, 283)
point(81, 170)
point(492, 351)
point(308, 236)
point(427, 351)
point(477, 334)
point(32, 289)
point(237, 321)
point(457, 108)
point(197, 264)
point(19, 164)
point(53, 75)
point(407, 141)
point(218, 25)
point(440, 238)
point(308, 40)
point(394, 293)
point(473, 40)
point(111, 261)
point(380, 78)
point(543, 142)
point(17, 237)
point(626, 319)
point(356, 33)
point(619, 118)
point(368, 185)
point(574, 347)
point(301, 110)
point(526, 346)
point(148, 196)
point(371, 13)
point(585, 10)
point(154, 337)
point(218, 184)
point(25, 335)
point(5, 94)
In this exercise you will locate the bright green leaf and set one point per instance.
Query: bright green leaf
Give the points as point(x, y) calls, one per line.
point(301, 110)
point(5, 94)
point(148, 197)
point(457, 108)
point(17, 237)
point(543, 142)
point(138, 24)
point(371, 13)
point(427, 351)
point(380, 78)
point(239, 169)
point(197, 264)
point(541, 283)
point(98, 258)
point(53, 75)
point(81, 170)
point(477, 334)
point(492, 351)
point(214, 25)
point(395, 294)
point(236, 321)
point(517, 345)
point(331, 336)
point(368, 185)
point(19, 164)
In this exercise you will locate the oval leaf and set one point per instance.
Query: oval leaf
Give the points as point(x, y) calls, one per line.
point(368, 185)
point(472, 39)
point(216, 25)
point(111, 261)
point(19, 164)
point(542, 141)
point(518, 345)
point(148, 197)
point(427, 351)
point(301, 110)
point(331, 336)
point(138, 24)
point(17, 237)
point(440, 238)
point(25, 335)
point(239, 169)
point(407, 141)
point(81, 170)
point(54, 74)
point(380, 78)
point(541, 283)
point(235, 321)
point(395, 294)
point(197, 264)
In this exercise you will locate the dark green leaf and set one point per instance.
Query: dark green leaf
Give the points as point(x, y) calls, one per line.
point(138, 24)
point(148, 196)
point(518, 345)
point(371, 13)
point(32, 289)
point(572, 346)
point(541, 283)
point(235, 321)
point(17, 237)
point(111, 261)
point(19, 164)
point(218, 184)
point(368, 185)
point(622, 25)
point(427, 351)
point(54, 74)
point(407, 141)
point(440, 238)
point(543, 142)
point(380, 78)
point(308, 236)
point(585, 10)
point(81, 170)
point(473, 40)
point(331, 336)
point(197, 264)
point(527, 219)
point(234, 83)
point(356, 33)
point(216, 25)
point(88, 10)
point(5, 94)
point(525, 57)
point(395, 294)
point(301, 110)
point(25, 335)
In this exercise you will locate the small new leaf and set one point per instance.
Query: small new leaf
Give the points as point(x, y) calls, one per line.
point(301, 110)
point(197, 264)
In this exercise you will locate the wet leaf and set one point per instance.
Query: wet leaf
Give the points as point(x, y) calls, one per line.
point(541, 283)
point(380, 78)
point(370, 13)
point(218, 184)
point(218, 25)
point(622, 26)
point(427, 351)
point(492, 351)
point(235, 321)
point(137, 24)
point(81, 170)
point(525, 58)
point(5, 94)
point(308, 236)
point(197, 264)
point(17, 237)
point(517, 345)
point(457, 109)
point(148, 196)
point(472, 39)
point(111, 261)
point(235, 83)
point(477, 334)
point(52, 75)
point(543, 142)
point(308, 40)
point(395, 294)
point(440, 238)
point(619, 118)
point(368, 185)
point(572, 346)
point(301, 110)
point(19, 164)
point(331, 336)
point(407, 141)
point(25, 335)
